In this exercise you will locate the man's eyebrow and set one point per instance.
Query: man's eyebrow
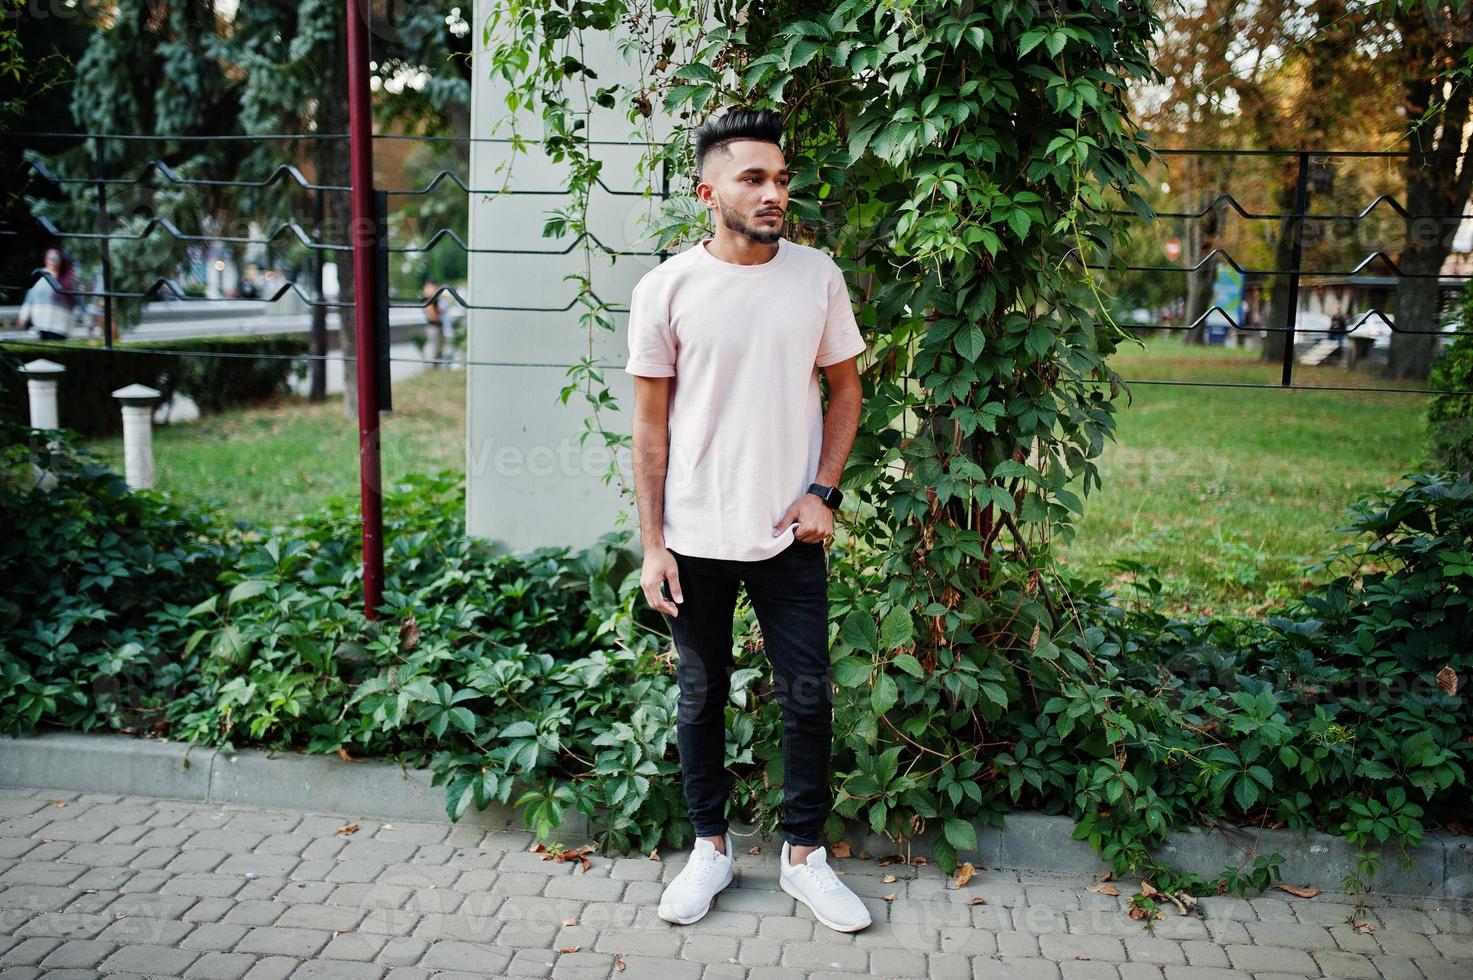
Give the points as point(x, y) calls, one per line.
point(760, 170)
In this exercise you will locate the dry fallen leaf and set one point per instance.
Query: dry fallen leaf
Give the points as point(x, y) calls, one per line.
point(1102, 889)
point(58, 802)
point(343, 754)
point(48, 840)
point(1107, 876)
point(409, 634)
point(1148, 890)
point(1297, 890)
point(655, 854)
point(841, 849)
point(890, 897)
point(537, 848)
point(755, 849)
point(963, 874)
point(864, 855)
point(919, 859)
point(885, 862)
point(1365, 928)
point(568, 949)
point(1459, 829)
point(1447, 680)
point(570, 922)
point(348, 829)
point(889, 879)
point(978, 901)
point(619, 964)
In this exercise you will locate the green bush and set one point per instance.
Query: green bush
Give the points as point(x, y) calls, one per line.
point(1450, 417)
point(1340, 712)
point(96, 582)
point(93, 374)
point(543, 680)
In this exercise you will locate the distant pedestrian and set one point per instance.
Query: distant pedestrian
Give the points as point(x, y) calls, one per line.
point(45, 310)
point(1338, 324)
point(435, 305)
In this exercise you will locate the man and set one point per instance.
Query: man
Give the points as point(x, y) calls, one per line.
point(736, 469)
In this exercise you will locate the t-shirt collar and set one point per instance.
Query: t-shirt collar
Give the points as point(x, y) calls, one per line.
point(761, 268)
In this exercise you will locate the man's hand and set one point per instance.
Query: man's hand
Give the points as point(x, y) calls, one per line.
point(814, 519)
point(659, 568)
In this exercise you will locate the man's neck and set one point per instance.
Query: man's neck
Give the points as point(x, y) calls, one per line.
point(740, 250)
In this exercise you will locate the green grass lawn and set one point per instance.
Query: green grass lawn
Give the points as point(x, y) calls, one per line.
point(1229, 492)
point(1226, 492)
point(276, 461)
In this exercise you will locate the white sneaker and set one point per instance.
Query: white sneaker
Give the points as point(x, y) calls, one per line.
point(689, 896)
point(816, 885)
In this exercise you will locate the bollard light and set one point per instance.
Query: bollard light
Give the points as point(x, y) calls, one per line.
point(41, 378)
point(41, 384)
point(138, 402)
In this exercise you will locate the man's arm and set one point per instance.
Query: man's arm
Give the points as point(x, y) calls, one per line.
point(651, 438)
point(841, 421)
point(651, 456)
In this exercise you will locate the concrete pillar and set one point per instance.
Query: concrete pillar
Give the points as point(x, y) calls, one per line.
point(530, 482)
point(41, 379)
point(138, 403)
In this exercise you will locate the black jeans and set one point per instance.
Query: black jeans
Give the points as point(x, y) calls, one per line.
point(789, 594)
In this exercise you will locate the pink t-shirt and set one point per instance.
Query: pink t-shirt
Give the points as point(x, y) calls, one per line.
point(744, 343)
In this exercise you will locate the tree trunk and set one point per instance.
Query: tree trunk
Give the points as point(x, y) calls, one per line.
point(1417, 303)
point(1201, 239)
point(1439, 173)
point(1278, 308)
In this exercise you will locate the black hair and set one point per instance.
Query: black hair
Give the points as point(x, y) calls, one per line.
point(737, 124)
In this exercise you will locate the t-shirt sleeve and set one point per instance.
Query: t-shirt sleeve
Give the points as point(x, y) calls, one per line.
point(651, 341)
point(841, 338)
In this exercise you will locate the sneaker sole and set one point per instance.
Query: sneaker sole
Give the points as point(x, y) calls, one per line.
point(699, 915)
point(783, 883)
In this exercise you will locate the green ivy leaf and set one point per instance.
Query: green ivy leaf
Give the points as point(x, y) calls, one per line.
point(860, 633)
point(851, 672)
point(910, 665)
point(896, 630)
point(884, 695)
point(960, 834)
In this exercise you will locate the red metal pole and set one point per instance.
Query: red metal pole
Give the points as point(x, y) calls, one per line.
point(360, 131)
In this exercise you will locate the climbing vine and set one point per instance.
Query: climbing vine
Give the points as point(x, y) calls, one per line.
point(960, 162)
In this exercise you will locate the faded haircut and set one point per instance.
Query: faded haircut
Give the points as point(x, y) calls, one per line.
point(737, 124)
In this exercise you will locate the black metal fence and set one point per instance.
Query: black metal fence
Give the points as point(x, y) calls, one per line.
point(1310, 167)
point(310, 293)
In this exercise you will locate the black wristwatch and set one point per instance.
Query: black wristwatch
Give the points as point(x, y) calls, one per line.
point(829, 495)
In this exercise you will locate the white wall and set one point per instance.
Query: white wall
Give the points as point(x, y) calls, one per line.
point(529, 483)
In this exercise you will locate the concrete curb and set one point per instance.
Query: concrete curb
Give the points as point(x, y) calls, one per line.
point(1441, 868)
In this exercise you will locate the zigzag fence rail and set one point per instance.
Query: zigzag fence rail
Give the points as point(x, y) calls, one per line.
point(311, 295)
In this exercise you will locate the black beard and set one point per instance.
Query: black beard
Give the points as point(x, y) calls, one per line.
point(732, 220)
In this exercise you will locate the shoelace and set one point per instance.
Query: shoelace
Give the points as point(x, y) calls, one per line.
point(828, 882)
point(699, 871)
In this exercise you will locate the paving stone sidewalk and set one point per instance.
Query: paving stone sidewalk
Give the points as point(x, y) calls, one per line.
point(96, 885)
